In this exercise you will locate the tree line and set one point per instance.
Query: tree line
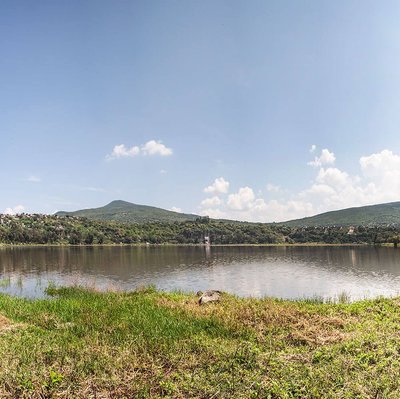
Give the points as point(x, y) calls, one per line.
point(50, 229)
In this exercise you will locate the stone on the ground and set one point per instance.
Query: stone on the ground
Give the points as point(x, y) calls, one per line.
point(210, 296)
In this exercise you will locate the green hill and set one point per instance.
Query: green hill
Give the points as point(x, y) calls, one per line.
point(122, 211)
point(372, 215)
point(126, 212)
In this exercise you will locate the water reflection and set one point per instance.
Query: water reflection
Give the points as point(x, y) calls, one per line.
point(286, 272)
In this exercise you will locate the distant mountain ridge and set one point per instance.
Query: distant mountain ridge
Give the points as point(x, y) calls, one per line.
point(380, 214)
point(127, 212)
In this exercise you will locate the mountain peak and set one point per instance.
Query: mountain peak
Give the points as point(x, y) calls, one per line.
point(124, 211)
point(119, 203)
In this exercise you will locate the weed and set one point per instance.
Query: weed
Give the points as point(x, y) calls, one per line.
point(82, 343)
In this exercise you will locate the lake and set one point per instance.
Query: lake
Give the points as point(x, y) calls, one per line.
point(284, 272)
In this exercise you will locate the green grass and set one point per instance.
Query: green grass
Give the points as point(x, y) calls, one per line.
point(149, 344)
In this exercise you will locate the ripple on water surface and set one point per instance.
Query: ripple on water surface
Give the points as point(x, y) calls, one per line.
point(285, 272)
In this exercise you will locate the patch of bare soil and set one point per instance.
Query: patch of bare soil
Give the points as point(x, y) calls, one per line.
point(6, 324)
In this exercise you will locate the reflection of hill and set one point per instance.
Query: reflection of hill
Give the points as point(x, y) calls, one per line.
point(281, 271)
point(122, 262)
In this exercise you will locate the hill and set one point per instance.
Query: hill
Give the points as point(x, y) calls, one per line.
point(122, 211)
point(372, 215)
point(126, 212)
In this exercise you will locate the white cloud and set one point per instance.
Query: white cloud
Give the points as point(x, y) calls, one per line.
point(211, 202)
point(242, 200)
point(333, 177)
point(220, 186)
point(382, 171)
point(175, 209)
point(286, 210)
point(14, 211)
point(152, 147)
point(214, 213)
point(163, 172)
point(244, 205)
point(273, 188)
point(120, 151)
point(382, 163)
point(377, 181)
point(34, 179)
point(313, 148)
point(326, 158)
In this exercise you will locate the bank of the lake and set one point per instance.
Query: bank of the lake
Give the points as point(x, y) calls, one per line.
point(53, 229)
point(149, 344)
point(306, 244)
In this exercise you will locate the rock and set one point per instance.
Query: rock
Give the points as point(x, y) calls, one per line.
point(210, 296)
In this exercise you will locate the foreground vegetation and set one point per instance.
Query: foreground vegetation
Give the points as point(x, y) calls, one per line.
point(46, 229)
point(149, 344)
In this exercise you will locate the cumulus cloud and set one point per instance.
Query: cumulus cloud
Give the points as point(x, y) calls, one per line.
point(245, 205)
point(313, 148)
point(333, 177)
point(326, 158)
point(276, 211)
point(121, 151)
point(381, 163)
point(15, 210)
point(220, 186)
point(377, 181)
point(152, 147)
point(214, 213)
point(241, 200)
point(210, 202)
point(382, 171)
point(176, 209)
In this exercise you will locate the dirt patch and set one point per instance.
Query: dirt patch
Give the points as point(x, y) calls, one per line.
point(6, 324)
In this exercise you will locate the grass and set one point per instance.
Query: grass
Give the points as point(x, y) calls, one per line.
point(148, 344)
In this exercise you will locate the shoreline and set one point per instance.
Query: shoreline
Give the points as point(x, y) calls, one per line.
point(3, 245)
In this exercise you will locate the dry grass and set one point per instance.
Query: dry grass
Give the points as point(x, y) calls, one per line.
point(260, 316)
point(7, 325)
point(148, 344)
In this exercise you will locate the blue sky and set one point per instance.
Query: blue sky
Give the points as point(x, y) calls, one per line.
point(252, 110)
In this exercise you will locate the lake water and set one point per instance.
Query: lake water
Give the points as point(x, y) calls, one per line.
point(285, 272)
